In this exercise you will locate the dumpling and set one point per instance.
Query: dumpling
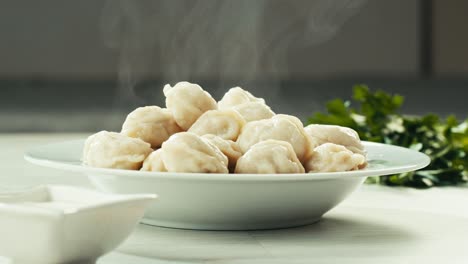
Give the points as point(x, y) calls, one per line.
point(154, 162)
point(151, 124)
point(291, 118)
point(113, 150)
point(228, 147)
point(236, 96)
point(187, 102)
point(226, 124)
point(331, 157)
point(280, 127)
point(253, 111)
point(270, 156)
point(344, 136)
point(187, 152)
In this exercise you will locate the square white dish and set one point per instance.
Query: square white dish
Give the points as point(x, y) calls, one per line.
point(60, 224)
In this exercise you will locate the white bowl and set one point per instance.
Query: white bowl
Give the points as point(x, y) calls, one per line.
point(233, 201)
point(59, 224)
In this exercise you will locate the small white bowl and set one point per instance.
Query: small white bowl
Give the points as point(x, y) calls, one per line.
point(233, 201)
point(59, 224)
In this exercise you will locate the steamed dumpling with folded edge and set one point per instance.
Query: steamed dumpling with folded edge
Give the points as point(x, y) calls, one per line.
point(339, 135)
point(291, 118)
point(280, 127)
point(270, 156)
point(154, 162)
point(151, 124)
point(253, 111)
point(188, 152)
point(228, 147)
point(187, 102)
point(330, 157)
point(114, 150)
point(236, 96)
point(226, 124)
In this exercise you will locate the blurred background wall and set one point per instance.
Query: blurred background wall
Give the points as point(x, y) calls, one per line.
point(82, 65)
point(66, 39)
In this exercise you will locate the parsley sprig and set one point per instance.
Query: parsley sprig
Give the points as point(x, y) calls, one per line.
point(376, 118)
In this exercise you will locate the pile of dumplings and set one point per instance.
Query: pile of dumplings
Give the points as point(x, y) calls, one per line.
point(238, 134)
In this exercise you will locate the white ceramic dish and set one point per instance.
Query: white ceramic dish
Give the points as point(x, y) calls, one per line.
point(233, 201)
point(59, 224)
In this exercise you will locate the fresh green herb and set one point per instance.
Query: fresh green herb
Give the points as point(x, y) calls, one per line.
point(377, 119)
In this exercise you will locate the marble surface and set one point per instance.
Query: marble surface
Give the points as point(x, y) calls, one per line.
point(375, 225)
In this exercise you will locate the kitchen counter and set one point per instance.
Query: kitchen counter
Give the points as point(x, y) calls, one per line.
point(91, 105)
point(375, 225)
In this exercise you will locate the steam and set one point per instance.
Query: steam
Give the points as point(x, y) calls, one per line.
point(222, 40)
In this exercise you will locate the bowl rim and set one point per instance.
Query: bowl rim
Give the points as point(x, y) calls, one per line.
point(422, 161)
point(100, 202)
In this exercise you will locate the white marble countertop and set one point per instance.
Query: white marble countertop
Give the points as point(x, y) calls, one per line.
point(375, 225)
